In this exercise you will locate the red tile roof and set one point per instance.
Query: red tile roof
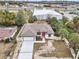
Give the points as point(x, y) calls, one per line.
point(7, 31)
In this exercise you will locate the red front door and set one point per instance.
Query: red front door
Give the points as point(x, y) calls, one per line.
point(43, 34)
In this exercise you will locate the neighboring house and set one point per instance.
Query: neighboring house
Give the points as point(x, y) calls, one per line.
point(44, 14)
point(7, 32)
point(28, 35)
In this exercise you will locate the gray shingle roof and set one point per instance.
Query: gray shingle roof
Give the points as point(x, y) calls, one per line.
point(28, 33)
point(32, 29)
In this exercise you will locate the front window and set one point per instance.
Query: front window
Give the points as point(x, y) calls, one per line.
point(38, 33)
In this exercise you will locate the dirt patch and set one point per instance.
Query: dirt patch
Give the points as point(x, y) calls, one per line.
point(37, 46)
point(5, 49)
point(61, 50)
point(2, 56)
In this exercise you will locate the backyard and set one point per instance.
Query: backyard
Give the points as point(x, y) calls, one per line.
point(61, 50)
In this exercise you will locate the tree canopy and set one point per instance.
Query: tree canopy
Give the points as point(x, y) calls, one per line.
point(7, 18)
point(63, 33)
point(65, 29)
point(10, 18)
point(20, 18)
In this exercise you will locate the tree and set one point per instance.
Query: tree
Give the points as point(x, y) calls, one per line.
point(76, 23)
point(65, 20)
point(7, 18)
point(20, 18)
point(54, 24)
point(32, 19)
point(70, 24)
point(53, 21)
point(74, 41)
point(63, 33)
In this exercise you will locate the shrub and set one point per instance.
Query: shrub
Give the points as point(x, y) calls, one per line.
point(32, 19)
point(7, 40)
point(20, 19)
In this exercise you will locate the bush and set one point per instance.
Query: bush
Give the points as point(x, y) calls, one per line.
point(20, 18)
point(7, 40)
point(32, 19)
point(14, 41)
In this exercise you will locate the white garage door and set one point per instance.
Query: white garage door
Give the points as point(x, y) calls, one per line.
point(29, 38)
